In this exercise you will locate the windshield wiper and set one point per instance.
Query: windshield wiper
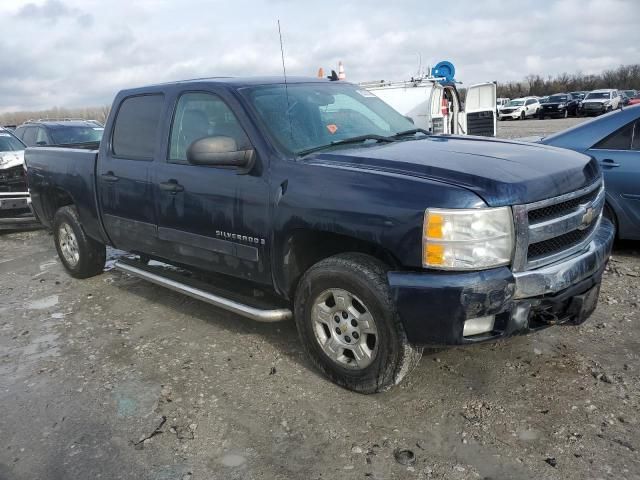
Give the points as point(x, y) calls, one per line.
point(347, 141)
point(413, 131)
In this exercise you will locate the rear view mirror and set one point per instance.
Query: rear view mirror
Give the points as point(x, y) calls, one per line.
point(220, 151)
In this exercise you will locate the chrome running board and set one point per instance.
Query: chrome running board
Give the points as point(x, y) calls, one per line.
point(257, 314)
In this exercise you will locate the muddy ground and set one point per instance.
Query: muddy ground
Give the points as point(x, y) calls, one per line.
point(115, 378)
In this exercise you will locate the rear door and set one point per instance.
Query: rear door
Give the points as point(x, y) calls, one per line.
point(438, 120)
point(125, 173)
point(210, 217)
point(619, 157)
point(480, 110)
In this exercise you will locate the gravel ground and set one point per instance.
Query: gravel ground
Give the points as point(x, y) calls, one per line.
point(114, 378)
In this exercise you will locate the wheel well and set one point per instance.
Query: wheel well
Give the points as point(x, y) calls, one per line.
point(305, 248)
point(610, 213)
point(53, 200)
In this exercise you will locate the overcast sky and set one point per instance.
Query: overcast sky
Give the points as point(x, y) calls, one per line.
point(75, 53)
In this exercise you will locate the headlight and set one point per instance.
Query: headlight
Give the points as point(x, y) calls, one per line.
point(467, 239)
point(562, 105)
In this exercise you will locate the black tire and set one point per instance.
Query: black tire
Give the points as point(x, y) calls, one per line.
point(91, 254)
point(365, 277)
point(522, 116)
point(540, 117)
point(566, 113)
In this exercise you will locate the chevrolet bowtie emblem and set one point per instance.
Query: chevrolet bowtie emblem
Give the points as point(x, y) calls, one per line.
point(587, 218)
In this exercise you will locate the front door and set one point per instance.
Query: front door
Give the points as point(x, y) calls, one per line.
point(210, 217)
point(619, 157)
point(125, 173)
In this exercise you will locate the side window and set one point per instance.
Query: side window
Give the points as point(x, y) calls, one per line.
point(29, 137)
point(136, 126)
point(530, 102)
point(41, 137)
point(200, 115)
point(618, 140)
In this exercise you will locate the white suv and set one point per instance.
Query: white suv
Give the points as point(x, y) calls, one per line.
point(520, 108)
point(599, 101)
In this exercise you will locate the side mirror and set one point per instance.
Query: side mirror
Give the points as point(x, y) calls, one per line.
point(220, 151)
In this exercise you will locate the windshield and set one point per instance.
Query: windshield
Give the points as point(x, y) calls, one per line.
point(316, 114)
point(630, 93)
point(74, 134)
point(515, 103)
point(9, 143)
point(557, 98)
point(597, 95)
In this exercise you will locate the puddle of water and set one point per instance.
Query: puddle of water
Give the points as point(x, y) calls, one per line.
point(43, 303)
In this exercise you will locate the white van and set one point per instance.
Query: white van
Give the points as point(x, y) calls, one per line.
point(434, 104)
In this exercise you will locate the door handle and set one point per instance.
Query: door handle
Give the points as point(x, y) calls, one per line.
point(110, 177)
point(607, 162)
point(171, 186)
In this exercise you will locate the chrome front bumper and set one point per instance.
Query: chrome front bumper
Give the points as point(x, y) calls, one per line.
point(569, 271)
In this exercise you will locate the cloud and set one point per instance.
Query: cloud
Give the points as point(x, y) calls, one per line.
point(81, 52)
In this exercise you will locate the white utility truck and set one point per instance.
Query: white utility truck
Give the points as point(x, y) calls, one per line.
point(433, 102)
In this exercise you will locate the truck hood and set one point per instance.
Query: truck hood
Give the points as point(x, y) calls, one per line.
point(11, 159)
point(500, 172)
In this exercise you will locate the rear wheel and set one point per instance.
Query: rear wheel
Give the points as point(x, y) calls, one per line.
point(81, 255)
point(349, 326)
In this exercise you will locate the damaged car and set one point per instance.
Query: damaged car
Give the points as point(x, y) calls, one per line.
point(15, 211)
point(376, 237)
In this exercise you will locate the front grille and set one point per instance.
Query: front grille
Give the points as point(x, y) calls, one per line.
point(559, 209)
point(558, 244)
point(506, 110)
point(13, 179)
point(553, 229)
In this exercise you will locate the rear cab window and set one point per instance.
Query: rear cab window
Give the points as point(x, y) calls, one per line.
point(136, 127)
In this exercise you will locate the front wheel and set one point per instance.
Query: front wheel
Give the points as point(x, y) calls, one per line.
point(349, 326)
point(566, 114)
point(81, 255)
point(522, 116)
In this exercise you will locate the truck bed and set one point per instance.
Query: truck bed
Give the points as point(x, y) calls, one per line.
point(55, 174)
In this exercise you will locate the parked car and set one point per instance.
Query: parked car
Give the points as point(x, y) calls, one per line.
point(599, 101)
point(520, 108)
point(15, 211)
point(376, 236)
point(558, 105)
point(630, 93)
point(59, 132)
point(624, 100)
point(543, 100)
point(614, 140)
point(579, 95)
point(635, 100)
point(501, 102)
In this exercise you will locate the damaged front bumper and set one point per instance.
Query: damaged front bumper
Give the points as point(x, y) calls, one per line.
point(16, 212)
point(434, 306)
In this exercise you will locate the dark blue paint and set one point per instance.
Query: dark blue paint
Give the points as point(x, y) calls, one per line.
point(621, 168)
point(376, 195)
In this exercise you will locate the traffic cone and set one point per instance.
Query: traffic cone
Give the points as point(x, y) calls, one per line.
point(341, 75)
point(321, 72)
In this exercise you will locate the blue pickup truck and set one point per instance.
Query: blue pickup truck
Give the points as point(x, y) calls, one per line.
point(378, 238)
